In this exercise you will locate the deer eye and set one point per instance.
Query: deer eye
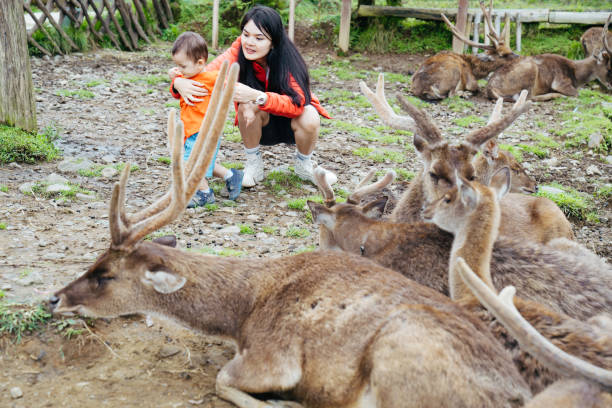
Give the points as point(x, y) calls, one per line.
point(434, 177)
point(104, 279)
point(447, 200)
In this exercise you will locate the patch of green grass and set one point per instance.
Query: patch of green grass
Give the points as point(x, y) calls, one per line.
point(221, 252)
point(19, 320)
point(367, 133)
point(516, 152)
point(308, 248)
point(4, 188)
point(211, 207)
point(231, 133)
point(217, 186)
point(379, 155)
point(40, 189)
point(604, 192)
point(296, 232)
point(573, 203)
point(419, 103)
point(66, 328)
point(2, 226)
point(281, 180)
point(401, 173)
point(173, 104)
point(300, 203)
point(95, 82)
point(151, 79)
point(458, 104)
point(469, 120)
point(233, 165)
point(77, 93)
point(96, 171)
point(269, 229)
point(342, 97)
point(19, 146)
point(536, 150)
point(157, 234)
point(554, 38)
point(393, 77)
point(246, 229)
point(164, 160)
point(546, 142)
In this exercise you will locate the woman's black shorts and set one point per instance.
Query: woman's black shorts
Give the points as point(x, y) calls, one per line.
point(278, 130)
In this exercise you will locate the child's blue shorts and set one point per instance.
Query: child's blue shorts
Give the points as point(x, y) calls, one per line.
point(189, 145)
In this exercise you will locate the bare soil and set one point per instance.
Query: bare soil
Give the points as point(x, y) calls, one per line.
point(49, 242)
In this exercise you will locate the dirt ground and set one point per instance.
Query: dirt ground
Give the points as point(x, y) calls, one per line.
point(48, 242)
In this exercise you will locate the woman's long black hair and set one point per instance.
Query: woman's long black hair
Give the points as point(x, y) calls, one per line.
point(283, 58)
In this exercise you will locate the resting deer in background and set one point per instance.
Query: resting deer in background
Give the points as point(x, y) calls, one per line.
point(563, 275)
point(471, 212)
point(325, 329)
point(549, 76)
point(593, 40)
point(446, 73)
point(524, 217)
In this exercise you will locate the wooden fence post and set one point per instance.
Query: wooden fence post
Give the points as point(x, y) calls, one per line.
point(17, 104)
point(460, 24)
point(291, 19)
point(345, 25)
point(215, 25)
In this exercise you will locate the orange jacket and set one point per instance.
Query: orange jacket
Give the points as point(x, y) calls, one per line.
point(192, 115)
point(277, 104)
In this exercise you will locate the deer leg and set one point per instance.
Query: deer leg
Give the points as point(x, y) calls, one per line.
point(547, 97)
point(564, 86)
point(247, 374)
point(471, 83)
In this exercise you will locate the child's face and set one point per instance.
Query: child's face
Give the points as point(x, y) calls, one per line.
point(187, 66)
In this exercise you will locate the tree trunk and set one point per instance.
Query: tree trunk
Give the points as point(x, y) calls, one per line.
point(460, 23)
point(17, 104)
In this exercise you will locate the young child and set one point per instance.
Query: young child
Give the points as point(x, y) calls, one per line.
point(190, 53)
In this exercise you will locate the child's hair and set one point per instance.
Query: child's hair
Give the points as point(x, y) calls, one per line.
point(192, 44)
point(284, 59)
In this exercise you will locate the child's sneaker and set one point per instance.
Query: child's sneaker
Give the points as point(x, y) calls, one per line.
point(201, 198)
point(234, 184)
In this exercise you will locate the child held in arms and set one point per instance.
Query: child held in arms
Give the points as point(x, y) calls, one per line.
point(190, 53)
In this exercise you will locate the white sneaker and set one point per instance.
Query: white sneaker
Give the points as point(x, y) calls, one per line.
point(253, 170)
point(304, 169)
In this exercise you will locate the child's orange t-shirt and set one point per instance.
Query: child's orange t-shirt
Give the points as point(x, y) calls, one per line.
point(192, 115)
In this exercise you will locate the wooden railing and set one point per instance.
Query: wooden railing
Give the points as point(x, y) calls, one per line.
point(101, 18)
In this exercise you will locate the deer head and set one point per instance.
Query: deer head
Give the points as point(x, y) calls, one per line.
point(124, 278)
point(604, 58)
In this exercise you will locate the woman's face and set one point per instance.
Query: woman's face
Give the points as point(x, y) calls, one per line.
point(256, 44)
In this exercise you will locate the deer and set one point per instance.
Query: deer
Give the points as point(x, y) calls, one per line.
point(471, 212)
point(447, 73)
point(550, 76)
point(319, 329)
point(562, 275)
point(525, 217)
point(592, 40)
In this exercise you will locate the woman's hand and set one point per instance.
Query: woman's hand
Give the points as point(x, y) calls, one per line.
point(245, 94)
point(173, 73)
point(190, 90)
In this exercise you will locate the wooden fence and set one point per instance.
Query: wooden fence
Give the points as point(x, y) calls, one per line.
point(101, 18)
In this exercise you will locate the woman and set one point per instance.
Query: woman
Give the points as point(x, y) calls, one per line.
point(273, 99)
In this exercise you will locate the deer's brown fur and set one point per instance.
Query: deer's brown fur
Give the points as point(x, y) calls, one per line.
point(592, 40)
point(325, 329)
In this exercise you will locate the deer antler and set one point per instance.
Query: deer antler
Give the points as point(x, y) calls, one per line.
point(324, 187)
point(386, 113)
point(429, 130)
point(169, 207)
point(605, 36)
point(479, 136)
point(502, 307)
point(363, 190)
point(196, 151)
point(463, 38)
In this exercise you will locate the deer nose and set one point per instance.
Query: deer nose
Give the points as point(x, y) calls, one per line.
point(53, 301)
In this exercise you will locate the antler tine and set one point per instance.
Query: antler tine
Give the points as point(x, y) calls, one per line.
point(503, 308)
point(324, 187)
point(366, 179)
point(116, 213)
point(355, 198)
point(493, 35)
point(496, 113)
point(504, 32)
point(163, 201)
point(429, 131)
point(462, 37)
point(605, 36)
point(381, 106)
point(479, 136)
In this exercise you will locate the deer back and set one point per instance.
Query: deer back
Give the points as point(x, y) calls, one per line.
point(592, 42)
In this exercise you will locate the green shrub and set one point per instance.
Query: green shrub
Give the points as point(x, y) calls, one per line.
point(17, 320)
point(19, 146)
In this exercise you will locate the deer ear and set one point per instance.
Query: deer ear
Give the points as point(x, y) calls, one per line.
point(163, 282)
point(500, 182)
point(491, 150)
point(322, 215)
point(375, 209)
point(420, 143)
point(467, 193)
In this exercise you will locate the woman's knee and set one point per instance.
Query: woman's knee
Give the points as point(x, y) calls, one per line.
point(308, 122)
point(250, 113)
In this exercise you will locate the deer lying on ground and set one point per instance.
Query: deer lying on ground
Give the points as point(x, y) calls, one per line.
point(571, 280)
point(471, 212)
point(325, 329)
point(446, 73)
point(549, 76)
point(593, 40)
point(525, 217)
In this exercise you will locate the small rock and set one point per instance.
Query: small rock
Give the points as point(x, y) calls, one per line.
point(593, 170)
point(56, 188)
point(609, 159)
point(109, 172)
point(52, 256)
point(74, 164)
point(55, 178)
point(14, 165)
point(16, 392)
point(149, 321)
point(26, 187)
point(6, 287)
point(109, 158)
point(85, 197)
point(595, 140)
point(168, 351)
point(232, 229)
